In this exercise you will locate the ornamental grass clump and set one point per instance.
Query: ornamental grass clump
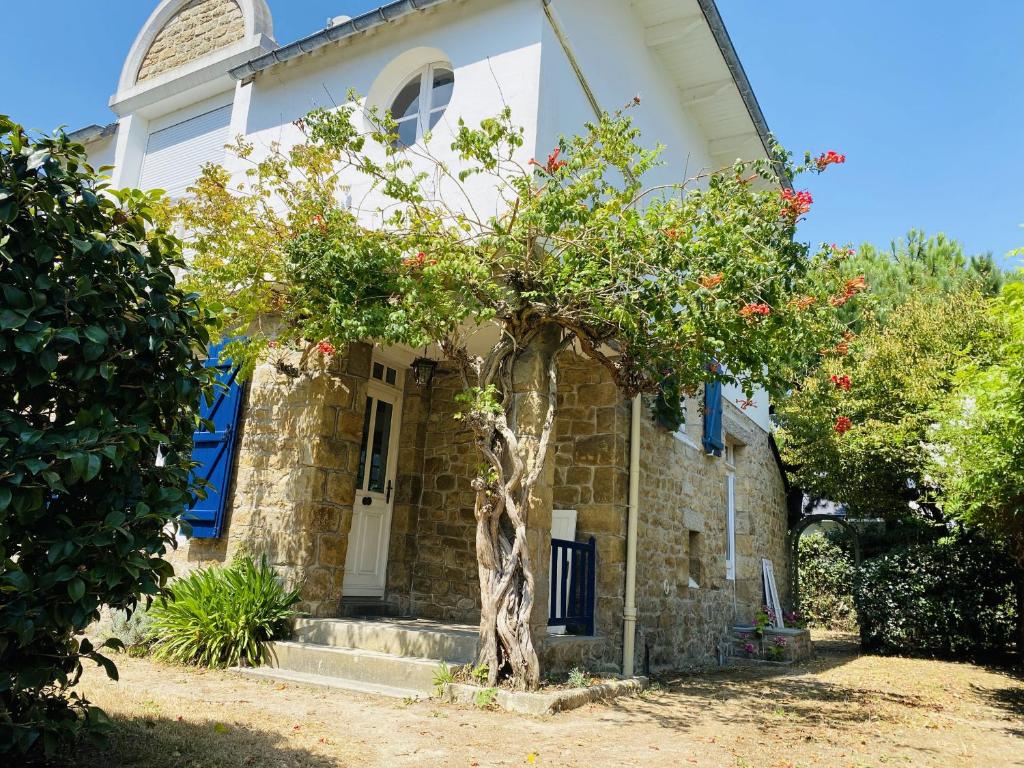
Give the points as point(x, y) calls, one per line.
point(222, 617)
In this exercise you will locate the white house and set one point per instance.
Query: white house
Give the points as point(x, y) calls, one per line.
point(390, 536)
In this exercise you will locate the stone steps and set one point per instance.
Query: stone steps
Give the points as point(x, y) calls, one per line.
point(455, 644)
point(392, 657)
point(368, 668)
point(305, 678)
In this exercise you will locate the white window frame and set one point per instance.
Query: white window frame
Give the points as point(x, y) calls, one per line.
point(729, 454)
point(422, 118)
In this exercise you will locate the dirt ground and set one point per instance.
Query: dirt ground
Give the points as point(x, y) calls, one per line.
point(842, 709)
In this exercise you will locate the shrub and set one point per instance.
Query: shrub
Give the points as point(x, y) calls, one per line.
point(100, 367)
point(132, 630)
point(952, 598)
point(578, 678)
point(826, 583)
point(221, 617)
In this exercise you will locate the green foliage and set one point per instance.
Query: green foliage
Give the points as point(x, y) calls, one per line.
point(914, 267)
point(479, 673)
point(982, 465)
point(100, 365)
point(133, 630)
point(578, 678)
point(578, 242)
point(486, 698)
point(222, 617)
point(953, 597)
point(443, 676)
point(826, 583)
point(898, 374)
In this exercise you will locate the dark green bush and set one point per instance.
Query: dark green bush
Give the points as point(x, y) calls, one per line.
point(951, 598)
point(221, 617)
point(100, 365)
point(826, 583)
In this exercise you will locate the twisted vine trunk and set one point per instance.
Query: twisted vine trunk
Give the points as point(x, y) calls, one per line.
point(513, 440)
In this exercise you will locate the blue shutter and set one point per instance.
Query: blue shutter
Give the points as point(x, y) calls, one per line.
point(712, 441)
point(214, 451)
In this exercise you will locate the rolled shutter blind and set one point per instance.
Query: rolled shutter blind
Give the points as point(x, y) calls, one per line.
point(175, 155)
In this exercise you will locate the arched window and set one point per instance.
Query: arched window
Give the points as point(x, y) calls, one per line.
point(421, 102)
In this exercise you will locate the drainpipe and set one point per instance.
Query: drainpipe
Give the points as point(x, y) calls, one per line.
point(563, 39)
point(629, 611)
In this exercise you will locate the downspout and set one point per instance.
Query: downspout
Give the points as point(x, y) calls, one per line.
point(629, 610)
point(573, 61)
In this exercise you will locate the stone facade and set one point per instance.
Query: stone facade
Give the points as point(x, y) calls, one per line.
point(682, 536)
point(294, 478)
point(199, 28)
point(295, 482)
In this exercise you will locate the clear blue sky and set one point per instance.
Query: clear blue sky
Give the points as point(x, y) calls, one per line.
point(923, 96)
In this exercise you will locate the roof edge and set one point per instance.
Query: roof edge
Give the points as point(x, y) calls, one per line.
point(739, 75)
point(378, 17)
point(92, 133)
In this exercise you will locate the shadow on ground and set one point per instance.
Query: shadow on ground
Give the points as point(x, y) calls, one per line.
point(160, 742)
point(766, 696)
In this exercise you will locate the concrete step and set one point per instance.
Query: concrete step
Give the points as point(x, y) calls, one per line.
point(354, 665)
point(305, 678)
point(412, 638)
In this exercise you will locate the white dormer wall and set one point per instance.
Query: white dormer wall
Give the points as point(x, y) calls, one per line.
point(494, 48)
point(608, 41)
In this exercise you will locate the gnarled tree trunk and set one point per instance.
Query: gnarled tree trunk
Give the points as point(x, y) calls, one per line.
point(513, 439)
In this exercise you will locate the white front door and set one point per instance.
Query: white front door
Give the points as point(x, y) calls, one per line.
point(367, 559)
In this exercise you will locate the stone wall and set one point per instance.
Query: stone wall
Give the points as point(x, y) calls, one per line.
point(591, 455)
point(444, 583)
point(682, 534)
point(294, 478)
point(199, 28)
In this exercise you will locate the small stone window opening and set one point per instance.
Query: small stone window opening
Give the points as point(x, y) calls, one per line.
point(695, 547)
point(421, 102)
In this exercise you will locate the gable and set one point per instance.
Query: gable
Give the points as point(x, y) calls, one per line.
point(199, 28)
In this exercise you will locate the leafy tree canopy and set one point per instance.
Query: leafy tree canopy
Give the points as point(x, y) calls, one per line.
point(100, 365)
point(915, 266)
point(858, 429)
point(981, 467)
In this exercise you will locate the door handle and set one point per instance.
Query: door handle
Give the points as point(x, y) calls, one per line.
point(387, 493)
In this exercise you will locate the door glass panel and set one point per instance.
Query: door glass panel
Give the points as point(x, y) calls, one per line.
point(366, 433)
point(379, 452)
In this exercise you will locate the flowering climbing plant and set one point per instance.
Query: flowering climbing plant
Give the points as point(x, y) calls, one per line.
point(581, 253)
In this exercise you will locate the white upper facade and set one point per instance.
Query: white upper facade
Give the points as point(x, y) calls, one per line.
point(201, 72)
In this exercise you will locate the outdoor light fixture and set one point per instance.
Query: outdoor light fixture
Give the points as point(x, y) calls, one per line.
point(423, 369)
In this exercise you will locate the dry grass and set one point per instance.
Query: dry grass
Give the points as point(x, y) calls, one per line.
point(841, 710)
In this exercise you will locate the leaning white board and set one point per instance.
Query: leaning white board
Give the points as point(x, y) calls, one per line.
point(771, 592)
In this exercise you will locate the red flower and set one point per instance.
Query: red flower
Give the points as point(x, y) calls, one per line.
point(272, 344)
point(553, 164)
point(804, 303)
point(744, 404)
point(417, 261)
point(851, 289)
point(318, 221)
point(711, 281)
point(326, 348)
point(795, 203)
point(843, 425)
point(755, 310)
point(828, 158)
point(841, 382)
